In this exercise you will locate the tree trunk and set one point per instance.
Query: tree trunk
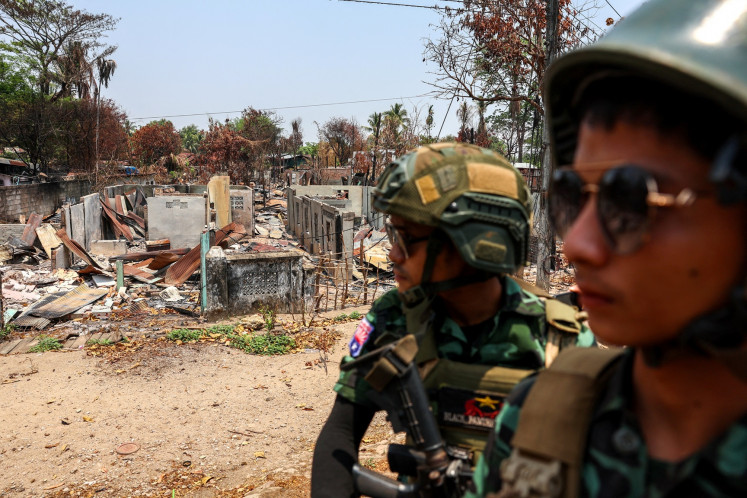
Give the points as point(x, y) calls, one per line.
point(543, 230)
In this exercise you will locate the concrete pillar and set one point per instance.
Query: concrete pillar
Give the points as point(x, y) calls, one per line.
point(216, 269)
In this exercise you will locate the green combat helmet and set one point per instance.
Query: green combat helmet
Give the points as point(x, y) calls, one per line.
point(698, 47)
point(471, 194)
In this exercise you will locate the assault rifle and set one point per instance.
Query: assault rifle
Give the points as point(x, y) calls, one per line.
point(399, 390)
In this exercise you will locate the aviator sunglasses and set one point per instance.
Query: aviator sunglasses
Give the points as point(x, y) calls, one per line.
point(402, 240)
point(627, 197)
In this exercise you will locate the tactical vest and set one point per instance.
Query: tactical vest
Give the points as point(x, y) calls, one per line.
point(549, 445)
point(465, 397)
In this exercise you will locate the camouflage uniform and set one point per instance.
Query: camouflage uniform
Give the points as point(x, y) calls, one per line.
point(515, 339)
point(616, 461)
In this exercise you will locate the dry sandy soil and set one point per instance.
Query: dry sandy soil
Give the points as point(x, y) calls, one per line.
point(203, 419)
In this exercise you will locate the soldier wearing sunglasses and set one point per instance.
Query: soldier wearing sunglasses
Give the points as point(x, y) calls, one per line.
point(458, 223)
point(649, 129)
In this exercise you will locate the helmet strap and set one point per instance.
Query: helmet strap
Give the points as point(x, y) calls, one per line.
point(428, 289)
point(718, 334)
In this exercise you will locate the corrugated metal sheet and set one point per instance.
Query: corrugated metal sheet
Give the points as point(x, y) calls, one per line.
point(27, 320)
point(78, 250)
point(180, 271)
point(119, 228)
point(29, 232)
point(70, 302)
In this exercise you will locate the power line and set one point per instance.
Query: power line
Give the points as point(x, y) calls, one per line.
point(613, 8)
point(285, 107)
point(393, 4)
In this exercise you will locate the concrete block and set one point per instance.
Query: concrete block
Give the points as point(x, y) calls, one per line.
point(181, 219)
point(78, 223)
point(216, 285)
point(93, 223)
point(242, 208)
point(108, 247)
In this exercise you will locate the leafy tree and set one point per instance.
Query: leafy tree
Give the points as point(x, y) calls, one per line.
point(263, 132)
point(191, 137)
point(223, 149)
point(343, 137)
point(154, 141)
point(309, 149)
point(42, 33)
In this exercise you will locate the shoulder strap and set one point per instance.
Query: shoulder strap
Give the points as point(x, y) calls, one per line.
point(529, 287)
point(571, 387)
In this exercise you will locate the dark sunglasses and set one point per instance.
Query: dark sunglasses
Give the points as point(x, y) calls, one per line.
point(402, 240)
point(627, 198)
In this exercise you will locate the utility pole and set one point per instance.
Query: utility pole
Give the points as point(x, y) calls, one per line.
point(545, 235)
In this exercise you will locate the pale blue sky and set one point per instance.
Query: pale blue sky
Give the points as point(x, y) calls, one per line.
point(209, 57)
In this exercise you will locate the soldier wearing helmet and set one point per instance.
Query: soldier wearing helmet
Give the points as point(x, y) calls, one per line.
point(649, 133)
point(458, 223)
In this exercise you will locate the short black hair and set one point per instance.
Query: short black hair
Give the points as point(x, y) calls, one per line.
point(637, 100)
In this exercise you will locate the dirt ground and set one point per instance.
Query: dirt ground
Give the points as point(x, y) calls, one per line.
point(155, 418)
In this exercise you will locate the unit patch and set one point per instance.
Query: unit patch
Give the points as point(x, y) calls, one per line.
point(469, 409)
point(362, 333)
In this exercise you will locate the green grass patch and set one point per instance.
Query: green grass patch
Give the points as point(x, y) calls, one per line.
point(221, 329)
point(265, 344)
point(184, 335)
point(354, 315)
point(46, 343)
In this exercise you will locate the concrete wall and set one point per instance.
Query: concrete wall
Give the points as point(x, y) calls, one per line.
point(359, 197)
point(324, 226)
point(242, 283)
point(40, 198)
point(181, 219)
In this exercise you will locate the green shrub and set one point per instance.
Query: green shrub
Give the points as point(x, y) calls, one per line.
point(268, 314)
point(354, 315)
point(184, 335)
point(6, 330)
point(46, 343)
point(266, 344)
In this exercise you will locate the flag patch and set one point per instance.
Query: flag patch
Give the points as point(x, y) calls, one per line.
point(362, 333)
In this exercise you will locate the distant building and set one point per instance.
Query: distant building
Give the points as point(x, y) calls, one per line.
point(532, 175)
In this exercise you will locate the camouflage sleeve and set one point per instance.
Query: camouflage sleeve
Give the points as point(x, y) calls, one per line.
point(350, 385)
point(487, 473)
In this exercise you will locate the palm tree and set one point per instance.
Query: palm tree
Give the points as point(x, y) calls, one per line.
point(429, 121)
point(395, 118)
point(374, 126)
point(106, 68)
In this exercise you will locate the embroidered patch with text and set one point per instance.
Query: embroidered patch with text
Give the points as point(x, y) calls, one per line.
point(362, 333)
point(469, 409)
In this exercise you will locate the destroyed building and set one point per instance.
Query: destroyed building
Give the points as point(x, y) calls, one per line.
point(210, 250)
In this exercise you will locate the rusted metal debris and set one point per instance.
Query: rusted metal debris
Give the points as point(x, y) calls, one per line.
point(180, 271)
point(70, 302)
point(119, 228)
point(140, 274)
point(78, 250)
point(29, 233)
point(139, 256)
